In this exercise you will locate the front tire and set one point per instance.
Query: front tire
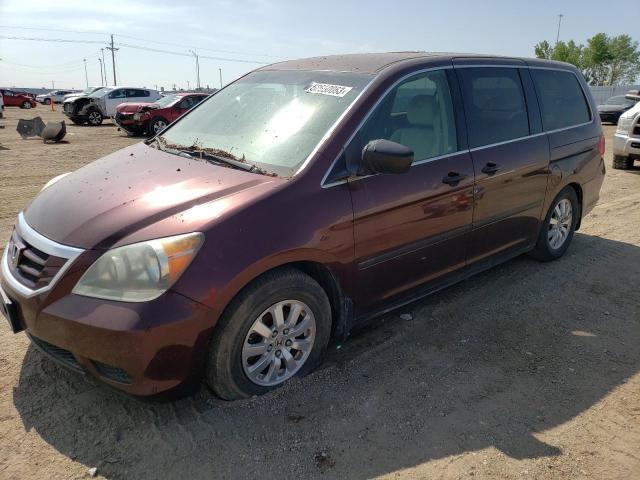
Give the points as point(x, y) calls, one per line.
point(559, 226)
point(277, 328)
point(156, 125)
point(94, 118)
point(47, 101)
point(622, 163)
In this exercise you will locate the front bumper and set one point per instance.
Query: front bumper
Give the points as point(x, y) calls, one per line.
point(140, 348)
point(126, 122)
point(626, 146)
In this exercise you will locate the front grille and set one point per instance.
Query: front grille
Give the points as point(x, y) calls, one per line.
point(67, 107)
point(59, 354)
point(112, 373)
point(31, 267)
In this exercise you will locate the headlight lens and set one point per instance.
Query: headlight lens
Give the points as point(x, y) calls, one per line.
point(139, 272)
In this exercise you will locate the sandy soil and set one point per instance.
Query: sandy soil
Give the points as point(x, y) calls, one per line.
point(529, 370)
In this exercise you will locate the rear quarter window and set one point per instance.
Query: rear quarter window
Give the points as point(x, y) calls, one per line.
point(562, 101)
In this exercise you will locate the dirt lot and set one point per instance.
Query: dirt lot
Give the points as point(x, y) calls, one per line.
point(529, 370)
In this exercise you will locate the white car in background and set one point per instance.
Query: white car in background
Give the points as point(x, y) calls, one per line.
point(86, 91)
point(626, 141)
point(102, 103)
point(57, 96)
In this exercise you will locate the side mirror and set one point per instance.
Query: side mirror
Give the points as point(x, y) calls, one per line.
point(385, 156)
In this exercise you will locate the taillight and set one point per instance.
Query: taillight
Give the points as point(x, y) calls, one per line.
point(601, 144)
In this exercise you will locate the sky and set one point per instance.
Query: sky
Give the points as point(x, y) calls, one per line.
point(242, 35)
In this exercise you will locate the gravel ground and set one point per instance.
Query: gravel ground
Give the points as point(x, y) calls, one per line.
point(528, 370)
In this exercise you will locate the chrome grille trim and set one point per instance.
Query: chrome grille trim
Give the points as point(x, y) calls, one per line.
point(44, 244)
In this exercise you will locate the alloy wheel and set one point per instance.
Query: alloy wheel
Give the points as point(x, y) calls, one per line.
point(94, 118)
point(278, 343)
point(158, 126)
point(560, 224)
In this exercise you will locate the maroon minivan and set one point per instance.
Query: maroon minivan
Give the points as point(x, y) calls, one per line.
point(301, 199)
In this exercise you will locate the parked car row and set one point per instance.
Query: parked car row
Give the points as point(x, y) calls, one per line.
point(12, 98)
point(94, 107)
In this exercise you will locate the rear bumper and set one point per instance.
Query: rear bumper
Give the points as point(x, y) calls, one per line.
point(140, 348)
point(625, 145)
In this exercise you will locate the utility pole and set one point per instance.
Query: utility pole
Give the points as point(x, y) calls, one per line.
point(197, 69)
point(53, 85)
point(101, 75)
point(105, 69)
point(86, 77)
point(188, 85)
point(559, 22)
point(220, 70)
point(113, 59)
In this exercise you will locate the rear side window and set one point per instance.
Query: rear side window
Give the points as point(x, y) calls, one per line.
point(561, 99)
point(135, 93)
point(494, 104)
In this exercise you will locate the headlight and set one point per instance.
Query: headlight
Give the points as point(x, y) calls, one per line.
point(139, 272)
point(137, 116)
point(624, 124)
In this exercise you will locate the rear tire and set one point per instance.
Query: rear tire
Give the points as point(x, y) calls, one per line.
point(622, 163)
point(558, 227)
point(229, 362)
point(26, 105)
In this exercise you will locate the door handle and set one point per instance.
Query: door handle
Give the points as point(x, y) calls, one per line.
point(490, 168)
point(453, 178)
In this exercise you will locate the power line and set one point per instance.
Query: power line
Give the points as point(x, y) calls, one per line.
point(183, 54)
point(53, 40)
point(158, 42)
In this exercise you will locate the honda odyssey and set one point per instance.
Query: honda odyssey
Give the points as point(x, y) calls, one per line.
point(300, 200)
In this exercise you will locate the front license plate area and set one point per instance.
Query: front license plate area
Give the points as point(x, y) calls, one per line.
point(10, 311)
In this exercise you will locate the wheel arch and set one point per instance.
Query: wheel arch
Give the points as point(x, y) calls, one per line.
point(578, 189)
point(341, 305)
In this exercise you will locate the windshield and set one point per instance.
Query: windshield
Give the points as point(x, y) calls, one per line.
point(620, 100)
point(98, 93)
point(166, 101)
point(271, 119)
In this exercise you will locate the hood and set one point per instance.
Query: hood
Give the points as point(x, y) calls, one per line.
point(612, 108)
point(74, 98)
point(135, 107)
point(136, 189)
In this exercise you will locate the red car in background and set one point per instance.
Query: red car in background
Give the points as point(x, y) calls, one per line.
point(15, 99)
point(151, 118)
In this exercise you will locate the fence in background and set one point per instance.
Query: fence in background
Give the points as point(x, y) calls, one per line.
point(602, 93)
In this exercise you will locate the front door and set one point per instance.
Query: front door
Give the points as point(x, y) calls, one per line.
point(510, 157)
point(414, 227)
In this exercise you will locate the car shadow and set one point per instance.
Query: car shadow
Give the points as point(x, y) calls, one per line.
point(495, 361)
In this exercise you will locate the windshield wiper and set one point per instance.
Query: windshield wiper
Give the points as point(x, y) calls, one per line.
point(210, 157)
point(219, 159)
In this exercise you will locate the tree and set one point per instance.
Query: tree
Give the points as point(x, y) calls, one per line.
point(604, 61)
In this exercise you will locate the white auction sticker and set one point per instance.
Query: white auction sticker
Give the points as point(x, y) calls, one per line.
point(328, 89)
